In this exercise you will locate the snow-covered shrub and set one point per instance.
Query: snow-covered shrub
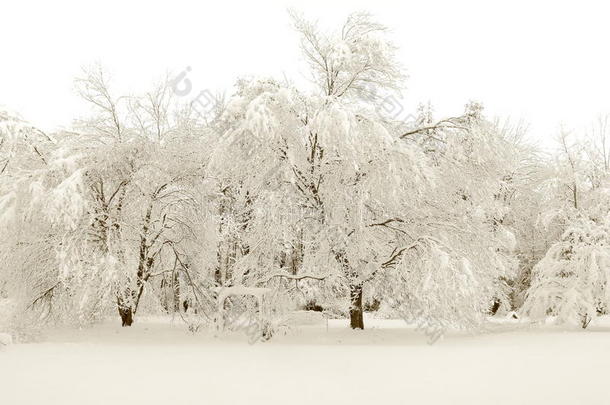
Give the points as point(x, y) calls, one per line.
point(571, 280)
point(5, 339)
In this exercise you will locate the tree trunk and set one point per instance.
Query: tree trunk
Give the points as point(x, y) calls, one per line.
point(495, 307)
point(585, 321)
point(356, 321)
point(126, 316)
point(176, 292)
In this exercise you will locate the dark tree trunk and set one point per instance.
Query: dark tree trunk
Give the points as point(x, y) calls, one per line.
point(145, 264)
point(126, 316)
point(495, 307)
point(176, 292)
point(218, 271)
point(586, 319)
point(356, 321)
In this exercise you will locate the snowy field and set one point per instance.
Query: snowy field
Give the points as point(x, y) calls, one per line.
point(157, 362)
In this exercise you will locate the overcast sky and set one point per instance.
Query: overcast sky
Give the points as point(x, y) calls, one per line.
point(541, 62)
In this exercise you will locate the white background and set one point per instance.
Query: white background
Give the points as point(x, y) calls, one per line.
point(544, 63)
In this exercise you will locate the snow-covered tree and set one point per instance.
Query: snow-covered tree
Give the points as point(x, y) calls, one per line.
point(369, 212)
point(114, 200)
point(569, 280)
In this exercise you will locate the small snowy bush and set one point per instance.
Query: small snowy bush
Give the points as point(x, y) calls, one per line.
point(5, 339)
point(571, 281)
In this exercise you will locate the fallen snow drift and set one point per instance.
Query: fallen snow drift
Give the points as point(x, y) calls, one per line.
point(157, 362)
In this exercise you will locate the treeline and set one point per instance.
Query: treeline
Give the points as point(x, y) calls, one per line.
point(322, 196)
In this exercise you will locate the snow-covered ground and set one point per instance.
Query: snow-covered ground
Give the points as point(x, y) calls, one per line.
point(158, 362)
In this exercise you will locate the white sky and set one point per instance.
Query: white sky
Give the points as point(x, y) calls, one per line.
point(543, 62)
